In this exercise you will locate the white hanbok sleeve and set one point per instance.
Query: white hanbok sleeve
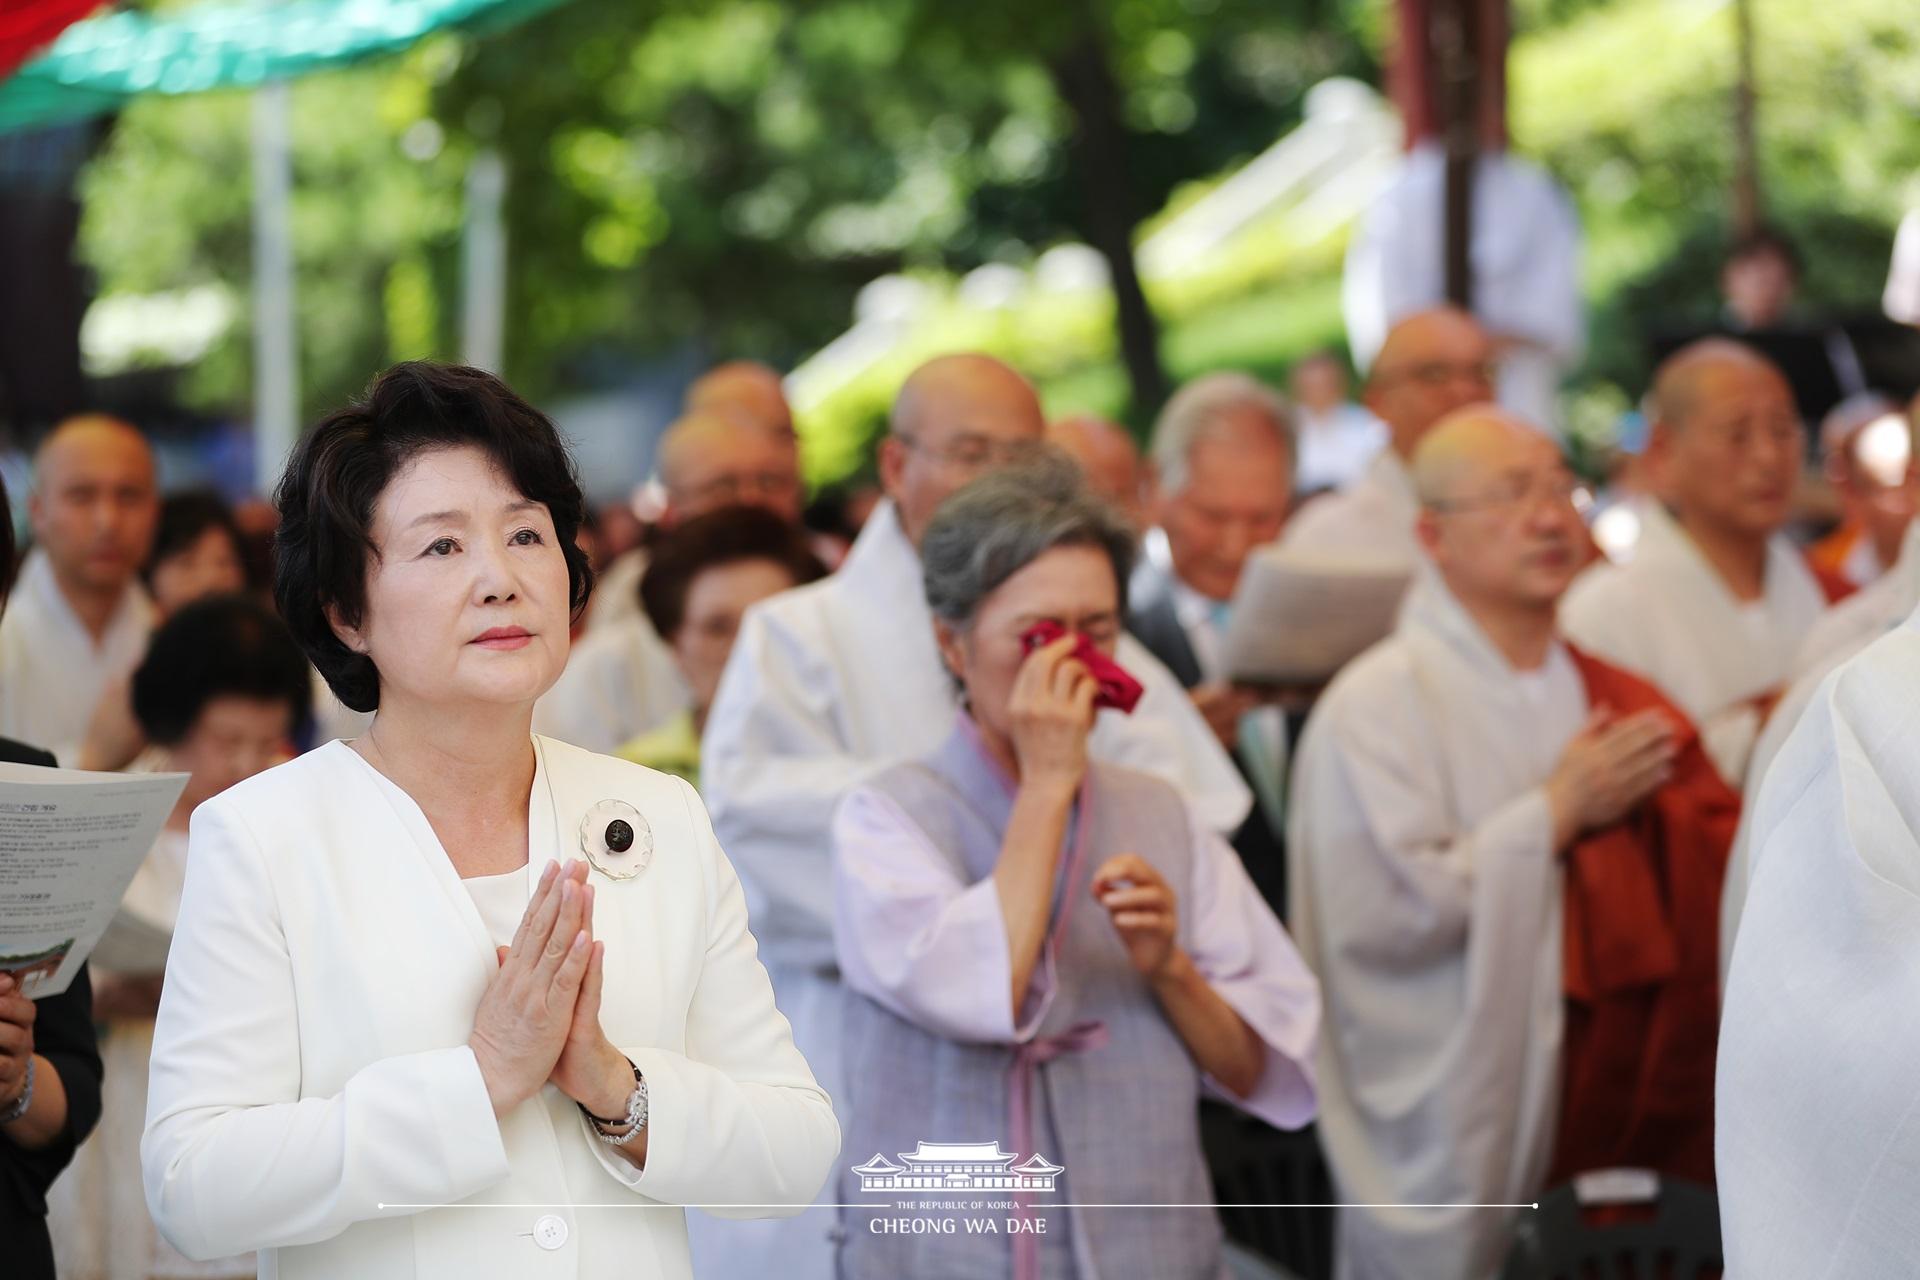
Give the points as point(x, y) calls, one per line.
point(772, 766)
point(1536, 239)
point(1239, 947)
point(738, 1119)
point(234, 1157)
point(917, 939)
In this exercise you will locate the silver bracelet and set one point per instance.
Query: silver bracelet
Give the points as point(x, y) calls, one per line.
point(24, 1102)
point(635, 1119)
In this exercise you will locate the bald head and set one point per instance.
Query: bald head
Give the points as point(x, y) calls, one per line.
point(1471, 448)
point(1432, 362)
point(946, 391)
point(746, 390)
point(94, 504)
point(1727, 440)
point(956, 418)
point(709, 460)
point(1497, 515)
point(1105, 451)
point(90, 433)
point(1699, 374)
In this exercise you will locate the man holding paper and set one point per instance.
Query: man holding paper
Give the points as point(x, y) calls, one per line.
point(1506, 862)
point(1223, 448)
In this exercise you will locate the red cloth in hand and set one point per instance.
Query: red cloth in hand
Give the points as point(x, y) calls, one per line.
point(1641, 964)
point(1118, 688)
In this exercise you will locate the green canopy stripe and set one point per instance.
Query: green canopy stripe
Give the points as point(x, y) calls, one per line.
point(98, 65)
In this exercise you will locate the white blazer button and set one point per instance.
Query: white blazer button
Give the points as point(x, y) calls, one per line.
point(549, 1231)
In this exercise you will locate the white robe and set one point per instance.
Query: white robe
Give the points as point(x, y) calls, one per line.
point(1427, 897)
point(1335, 446)
point(616, 595)
point(1844, 630)
point(1370, 520)
point(52, 673)
point(1817, 1136)
point(1668, 617)
point(620, 682)
point(1526, 269)
point(312, 1086)
point(828, 684)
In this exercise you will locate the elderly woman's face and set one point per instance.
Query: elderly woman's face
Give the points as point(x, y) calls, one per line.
point(468, 598)
point(1073, 586)
point(234, 738)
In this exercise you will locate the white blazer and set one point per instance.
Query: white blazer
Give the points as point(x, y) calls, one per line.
point(312, 1092)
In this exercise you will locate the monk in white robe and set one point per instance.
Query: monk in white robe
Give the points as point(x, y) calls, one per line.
point(621, 680)
point(833, 682)
point(78, 618)
point(1465, 794)
point(1716, 600)
point(1431, 363)
point(1817, 1140)
point(1844, 630)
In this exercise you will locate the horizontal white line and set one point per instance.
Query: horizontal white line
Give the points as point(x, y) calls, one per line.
point(1036, 1204)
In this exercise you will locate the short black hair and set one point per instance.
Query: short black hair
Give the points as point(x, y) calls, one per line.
point(222, 646)
point(184, 517)
point(1761, 241)
point(339, 469)
point(726, 536)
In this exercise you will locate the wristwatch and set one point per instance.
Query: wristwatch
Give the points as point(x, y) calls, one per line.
point(635, 1120)
point(25, 1100)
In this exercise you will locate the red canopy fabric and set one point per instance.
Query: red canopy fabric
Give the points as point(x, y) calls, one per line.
point(28, 26)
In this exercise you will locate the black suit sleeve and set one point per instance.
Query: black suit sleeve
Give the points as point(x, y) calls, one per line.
point(63, 1034)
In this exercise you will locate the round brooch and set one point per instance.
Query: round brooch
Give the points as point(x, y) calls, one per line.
point(616, 839)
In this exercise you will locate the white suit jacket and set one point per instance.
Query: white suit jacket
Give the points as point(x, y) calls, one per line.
point(312, 1093)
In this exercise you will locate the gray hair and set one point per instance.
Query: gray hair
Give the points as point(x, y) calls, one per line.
point(1195, 407)
point(1004, 521)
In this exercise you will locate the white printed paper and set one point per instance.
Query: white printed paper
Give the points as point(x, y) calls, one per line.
point(70, 843)
point(1297, 621)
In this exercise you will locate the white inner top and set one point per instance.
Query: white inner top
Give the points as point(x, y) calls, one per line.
point(501, 901)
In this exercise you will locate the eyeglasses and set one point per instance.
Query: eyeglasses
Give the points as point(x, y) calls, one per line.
point(742, 486)
point(1438, 373)
point(1521, 491)
point(973, 452)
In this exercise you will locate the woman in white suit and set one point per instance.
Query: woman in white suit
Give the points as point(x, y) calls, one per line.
point(450, 999)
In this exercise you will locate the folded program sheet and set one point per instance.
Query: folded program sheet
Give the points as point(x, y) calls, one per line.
point(1298, 619)
point(70, 843)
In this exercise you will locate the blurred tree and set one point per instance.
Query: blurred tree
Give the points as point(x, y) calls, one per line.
point(732, 173)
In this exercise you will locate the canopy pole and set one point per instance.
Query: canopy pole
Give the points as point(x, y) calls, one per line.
point(276, 370)
point(483, 263)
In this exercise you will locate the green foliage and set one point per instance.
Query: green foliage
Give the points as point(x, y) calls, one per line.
point(726, 175)
point(375, 232)
point(1630, 104)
